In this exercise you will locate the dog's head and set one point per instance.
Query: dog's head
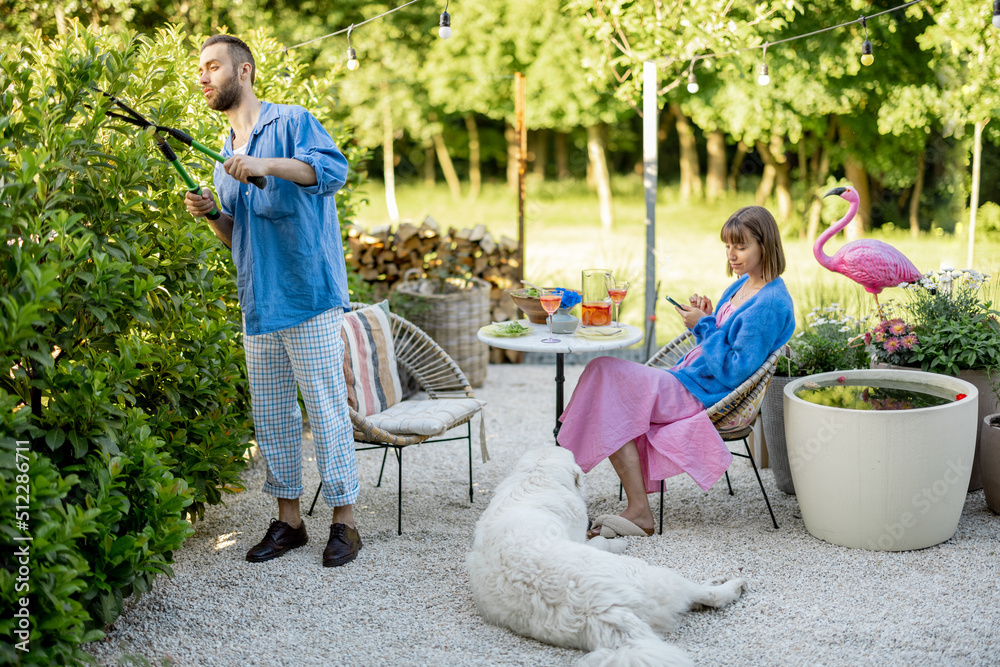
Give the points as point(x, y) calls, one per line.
point(551, 466)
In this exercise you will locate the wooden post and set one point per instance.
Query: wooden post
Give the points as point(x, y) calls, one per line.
point(977, 154)
point(650, 145)
point(522, 162)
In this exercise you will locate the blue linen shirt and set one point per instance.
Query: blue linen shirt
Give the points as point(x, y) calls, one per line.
point(286, 238)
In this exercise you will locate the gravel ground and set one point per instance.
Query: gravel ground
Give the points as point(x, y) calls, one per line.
point(406, 599)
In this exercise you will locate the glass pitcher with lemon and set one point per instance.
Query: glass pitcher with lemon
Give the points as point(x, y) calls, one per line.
point(596, 305)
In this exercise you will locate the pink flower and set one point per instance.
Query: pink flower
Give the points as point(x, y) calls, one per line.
point(842, 379)
point(868, 338)
point(892, 345)
point(879, 336)
point(897, 327)
point(908, 341)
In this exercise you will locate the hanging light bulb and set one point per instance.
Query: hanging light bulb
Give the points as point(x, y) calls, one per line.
point(763, 78)
point(996, 14)
point(352, 56)
point(692, 83)
point(866, 49)
point(866, 53)
point(444, 31)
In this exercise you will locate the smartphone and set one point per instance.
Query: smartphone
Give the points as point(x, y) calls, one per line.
point(674, 302)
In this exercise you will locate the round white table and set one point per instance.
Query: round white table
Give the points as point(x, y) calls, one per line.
point(568, 344)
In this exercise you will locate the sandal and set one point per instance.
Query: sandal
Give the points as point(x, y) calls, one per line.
point(612, 526)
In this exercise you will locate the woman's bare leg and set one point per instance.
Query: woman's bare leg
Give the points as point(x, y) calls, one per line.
point(626, 463)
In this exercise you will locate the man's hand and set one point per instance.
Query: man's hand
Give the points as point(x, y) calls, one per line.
point(243, 167)
point(199, 205)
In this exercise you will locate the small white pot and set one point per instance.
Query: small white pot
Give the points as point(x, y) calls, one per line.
point(887, 480)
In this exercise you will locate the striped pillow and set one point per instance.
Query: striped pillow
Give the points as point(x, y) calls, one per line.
point(370, 361)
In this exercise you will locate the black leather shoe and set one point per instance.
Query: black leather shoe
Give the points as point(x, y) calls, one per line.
point(343, 547)
point(280, 537)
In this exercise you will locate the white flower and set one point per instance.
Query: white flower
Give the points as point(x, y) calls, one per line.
point(844, 329)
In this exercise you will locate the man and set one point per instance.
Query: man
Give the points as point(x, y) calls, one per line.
point(292, 286)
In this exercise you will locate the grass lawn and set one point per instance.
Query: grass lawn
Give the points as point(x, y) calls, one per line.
point(563, 236)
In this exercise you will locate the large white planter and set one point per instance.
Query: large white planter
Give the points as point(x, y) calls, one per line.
point(889, 480)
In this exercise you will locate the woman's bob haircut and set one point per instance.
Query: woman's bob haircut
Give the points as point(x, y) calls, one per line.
point(756, 222)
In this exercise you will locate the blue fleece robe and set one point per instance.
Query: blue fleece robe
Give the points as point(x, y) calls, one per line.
point(733, 352)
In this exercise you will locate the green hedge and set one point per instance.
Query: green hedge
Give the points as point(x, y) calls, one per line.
point(120, 341)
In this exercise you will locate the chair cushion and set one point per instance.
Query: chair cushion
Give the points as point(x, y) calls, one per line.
point(432, 416)
point(370, 361)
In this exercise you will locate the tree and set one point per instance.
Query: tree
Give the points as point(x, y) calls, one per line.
point(471, 75)
point(964, 51)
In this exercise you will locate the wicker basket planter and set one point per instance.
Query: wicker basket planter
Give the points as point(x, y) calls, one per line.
point(451, 318)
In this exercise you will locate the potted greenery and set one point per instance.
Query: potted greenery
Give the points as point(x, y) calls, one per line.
point(958, 335)
point(830, 342)
point(990, 460)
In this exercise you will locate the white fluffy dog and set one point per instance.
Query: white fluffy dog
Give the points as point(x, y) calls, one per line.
point(533, 571)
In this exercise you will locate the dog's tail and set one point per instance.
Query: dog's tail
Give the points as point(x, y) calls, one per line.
point(639, 652)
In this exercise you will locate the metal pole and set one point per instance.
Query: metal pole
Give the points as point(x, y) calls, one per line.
point(650, 128)
point(522, 163)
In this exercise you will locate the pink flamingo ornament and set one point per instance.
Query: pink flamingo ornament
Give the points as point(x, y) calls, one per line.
point(872, 264)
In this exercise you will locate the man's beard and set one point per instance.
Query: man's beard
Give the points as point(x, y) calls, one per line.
point(228, 96)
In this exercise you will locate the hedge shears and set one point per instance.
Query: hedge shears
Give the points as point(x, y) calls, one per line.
point(154, 130)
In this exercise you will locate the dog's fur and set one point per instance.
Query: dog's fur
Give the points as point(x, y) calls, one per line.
point(533, 571)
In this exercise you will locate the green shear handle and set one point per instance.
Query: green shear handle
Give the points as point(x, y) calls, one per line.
point(185, 138)
point(171, 157)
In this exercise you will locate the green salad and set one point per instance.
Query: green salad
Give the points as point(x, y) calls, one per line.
point(510, 328)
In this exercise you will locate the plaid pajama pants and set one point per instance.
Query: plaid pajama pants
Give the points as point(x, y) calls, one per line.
point(311, 356)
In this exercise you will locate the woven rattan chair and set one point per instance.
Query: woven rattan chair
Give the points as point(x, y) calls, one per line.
point(436, 374)
point(734, 415)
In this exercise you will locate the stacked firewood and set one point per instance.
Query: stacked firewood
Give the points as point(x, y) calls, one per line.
point(382, 257)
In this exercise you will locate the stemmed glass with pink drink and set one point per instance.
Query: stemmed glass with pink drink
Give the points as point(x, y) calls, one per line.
point(550, 302)
point(617, 289)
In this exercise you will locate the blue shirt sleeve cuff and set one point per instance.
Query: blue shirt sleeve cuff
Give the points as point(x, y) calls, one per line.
point(331, 173)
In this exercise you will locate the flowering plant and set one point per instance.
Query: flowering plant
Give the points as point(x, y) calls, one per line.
point(830, 342)
point(569, 297)
point(892, 342)
point(957, 328)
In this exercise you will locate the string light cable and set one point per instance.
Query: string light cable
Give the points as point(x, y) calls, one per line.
point(445, 18)
point(863, 20)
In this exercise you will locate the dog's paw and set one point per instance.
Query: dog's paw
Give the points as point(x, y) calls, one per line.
point(604, 544)
point(722, 579)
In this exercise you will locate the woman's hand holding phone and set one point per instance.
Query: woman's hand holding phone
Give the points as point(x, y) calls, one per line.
point(699, 307)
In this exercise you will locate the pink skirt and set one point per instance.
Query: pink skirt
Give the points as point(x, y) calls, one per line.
point(617, 401)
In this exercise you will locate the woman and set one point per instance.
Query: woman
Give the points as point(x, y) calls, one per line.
point(652, 423)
